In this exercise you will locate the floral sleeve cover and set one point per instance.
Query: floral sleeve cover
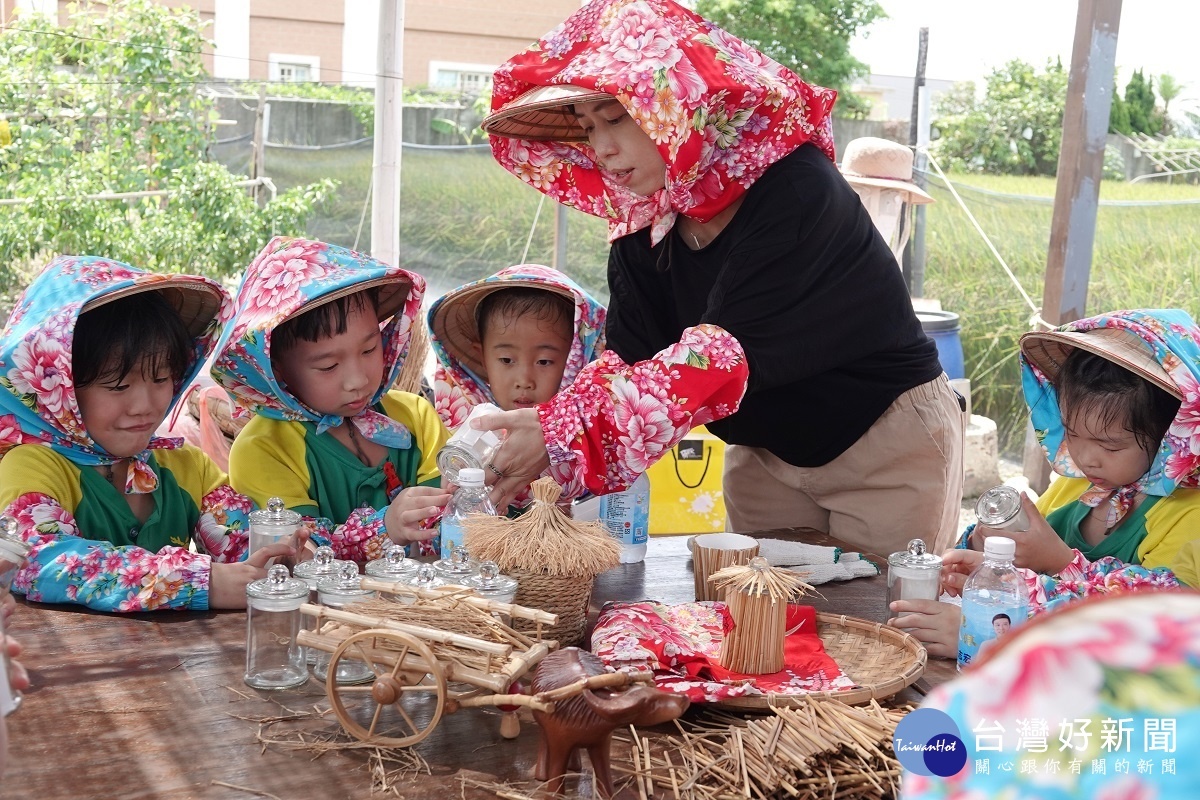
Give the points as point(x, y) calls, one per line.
point(617, 419)
point(62, 567)
point(1082, 578)
point(361, 538)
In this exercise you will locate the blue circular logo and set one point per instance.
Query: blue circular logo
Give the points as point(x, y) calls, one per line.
point(927, 742)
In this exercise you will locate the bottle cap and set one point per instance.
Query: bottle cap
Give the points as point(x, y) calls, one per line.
point(278, 585)
point(998, 505)
point(276, 513)
point(999, 547)
point(458, 566)
point(470, 476)
point(915, 557)
point(324, 564)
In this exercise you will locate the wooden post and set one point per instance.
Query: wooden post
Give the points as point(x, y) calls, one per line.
point(385, 183)
point(908, 266)
point(560, 238)
point(259, 160)
point(1077, 193)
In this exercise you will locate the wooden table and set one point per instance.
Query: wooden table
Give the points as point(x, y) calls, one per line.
point(153, 705)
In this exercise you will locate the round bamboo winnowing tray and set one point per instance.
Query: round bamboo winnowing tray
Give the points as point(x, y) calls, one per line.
point(880, 660)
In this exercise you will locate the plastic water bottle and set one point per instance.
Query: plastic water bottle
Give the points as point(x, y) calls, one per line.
point(627, 516)
point(471, 498)
point(994, 599)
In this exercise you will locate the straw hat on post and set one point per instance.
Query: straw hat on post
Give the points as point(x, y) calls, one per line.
point(196, 302)
point(869, 161)
point(1047, 350)
point(455, 320)
point(543, 114)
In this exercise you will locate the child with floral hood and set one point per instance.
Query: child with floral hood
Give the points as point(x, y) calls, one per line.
point(514, 340)
point(92, 357)
point(734, 241)
point(1114, 401)
point(319, 334)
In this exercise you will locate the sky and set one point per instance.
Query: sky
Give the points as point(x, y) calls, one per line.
point(968, 38)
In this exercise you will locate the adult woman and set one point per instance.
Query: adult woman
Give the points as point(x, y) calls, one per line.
point(714, 166)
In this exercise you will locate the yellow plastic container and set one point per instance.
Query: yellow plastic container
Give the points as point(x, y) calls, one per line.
point(685, 486)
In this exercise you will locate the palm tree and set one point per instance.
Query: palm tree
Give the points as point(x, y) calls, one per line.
point(1168, 90)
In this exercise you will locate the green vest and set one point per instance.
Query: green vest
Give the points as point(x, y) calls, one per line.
point(1122, 542)
point(104, 513)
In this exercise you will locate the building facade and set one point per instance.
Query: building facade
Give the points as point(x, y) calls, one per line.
point(451, 44)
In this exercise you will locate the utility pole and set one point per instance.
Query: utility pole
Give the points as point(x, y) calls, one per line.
point(560, 238)
point(385, 176)
point(913, 267)
point(262, 124)
point(1077, 190)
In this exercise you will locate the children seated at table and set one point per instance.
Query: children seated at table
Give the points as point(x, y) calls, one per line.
point(93, 356)
point(318, 336)
point(1115, 403)
point(512, 339)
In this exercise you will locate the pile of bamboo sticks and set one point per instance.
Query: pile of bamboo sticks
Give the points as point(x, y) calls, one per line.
point(821, 749)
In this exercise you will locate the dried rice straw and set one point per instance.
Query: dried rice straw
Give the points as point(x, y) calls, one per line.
point(409, 378)
point(757, 596)
point(543, 539)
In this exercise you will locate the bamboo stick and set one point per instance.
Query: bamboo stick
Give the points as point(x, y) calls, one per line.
point(420, 631)
point(522, 700)
point(462, 595)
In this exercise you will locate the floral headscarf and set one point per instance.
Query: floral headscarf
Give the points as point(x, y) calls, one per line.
point(719, 111)
point(37, 391)
point(1174, 340)
point(457, 388)
point(290, 276)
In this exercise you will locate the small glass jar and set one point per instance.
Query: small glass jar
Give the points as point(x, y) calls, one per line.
point(426, 578)
point(457, 568)
point(324, 564)
point(394, 567)
point(469, 447)
point(489, 584)
point(274, 659)
point(338, 592)
point(913, 574)
point(273, 524)
point(1000, 508)
point(13, 551)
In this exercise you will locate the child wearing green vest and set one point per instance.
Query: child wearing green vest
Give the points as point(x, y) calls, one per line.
point(319, 334)
point(92, 357)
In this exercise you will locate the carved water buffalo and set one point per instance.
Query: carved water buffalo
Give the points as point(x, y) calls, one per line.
point(588, 719)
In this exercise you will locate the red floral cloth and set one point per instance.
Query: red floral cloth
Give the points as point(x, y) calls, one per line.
point(719, 111)
point(681, 645)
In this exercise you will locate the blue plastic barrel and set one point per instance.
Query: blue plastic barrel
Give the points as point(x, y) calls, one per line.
point(943, 328)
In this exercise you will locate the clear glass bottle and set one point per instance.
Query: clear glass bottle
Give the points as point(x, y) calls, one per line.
point(13, 551)
point(913, 574)
point(626, 514)
point(457, 568)
point(469, 448)
point(999, 508)
point(394, 566)
point(471, 498)
point(338, 592)
point(274, 659)
point(994, 599)
point(324, 564)
point(273, 524)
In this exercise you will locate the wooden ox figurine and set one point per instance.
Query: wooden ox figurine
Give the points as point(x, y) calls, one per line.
point(586, 719)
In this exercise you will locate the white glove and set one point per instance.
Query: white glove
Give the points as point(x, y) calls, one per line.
point(782, 553)
point(844, 570)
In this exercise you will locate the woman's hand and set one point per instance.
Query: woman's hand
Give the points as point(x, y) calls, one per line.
point(412, 507)
point(934, 623)
point(18, 679)
point(522, 456)
point(1039, 549)
point(227, 583)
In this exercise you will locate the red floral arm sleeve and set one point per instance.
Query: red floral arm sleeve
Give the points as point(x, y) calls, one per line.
point(617, 419)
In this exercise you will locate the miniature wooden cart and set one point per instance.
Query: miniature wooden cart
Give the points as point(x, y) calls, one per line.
point(421, 665)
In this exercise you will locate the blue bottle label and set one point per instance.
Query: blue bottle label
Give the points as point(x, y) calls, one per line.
point(452, 535)
point(984, 622)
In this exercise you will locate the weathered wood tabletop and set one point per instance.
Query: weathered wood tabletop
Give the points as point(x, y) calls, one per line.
point(154, 706)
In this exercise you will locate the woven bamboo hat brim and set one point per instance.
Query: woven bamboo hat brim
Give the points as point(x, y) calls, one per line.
point(195, 301)
point(1047, 350)
point(870, 161)
point(393, 291)
point(543, 114)
point(455, 321)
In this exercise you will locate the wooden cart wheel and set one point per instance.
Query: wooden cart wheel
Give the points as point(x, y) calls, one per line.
point(375, 712)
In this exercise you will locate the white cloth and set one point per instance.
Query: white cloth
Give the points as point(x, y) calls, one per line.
point(782, 553)
point(845, 569)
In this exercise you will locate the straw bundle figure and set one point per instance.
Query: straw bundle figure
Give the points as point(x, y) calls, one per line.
point(554, 558)
point(757, 595)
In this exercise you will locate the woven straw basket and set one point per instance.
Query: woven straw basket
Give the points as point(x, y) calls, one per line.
point(566, 596)
point(880, 660)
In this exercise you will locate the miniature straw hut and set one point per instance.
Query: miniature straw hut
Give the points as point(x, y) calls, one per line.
point(757, 595)
point(554, 558)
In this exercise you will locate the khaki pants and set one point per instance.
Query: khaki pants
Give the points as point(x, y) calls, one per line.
point(901, 480)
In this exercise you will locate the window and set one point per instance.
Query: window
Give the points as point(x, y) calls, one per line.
point(466, 78)
point(293, 68)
